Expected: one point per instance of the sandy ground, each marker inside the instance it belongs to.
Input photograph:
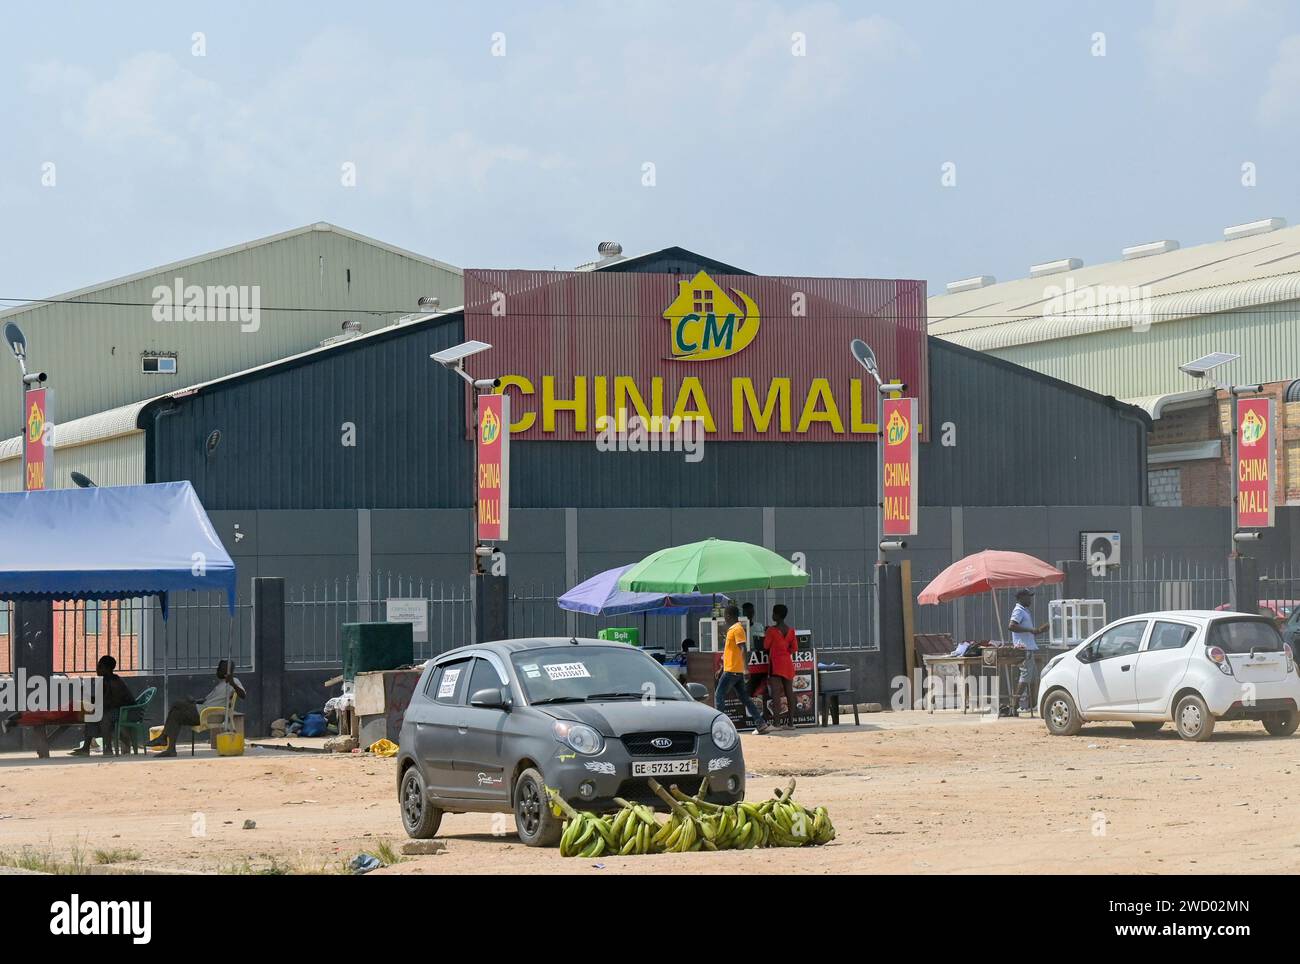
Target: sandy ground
(908, 792)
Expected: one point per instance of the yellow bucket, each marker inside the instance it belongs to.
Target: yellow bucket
(230, 744)
(154, 733)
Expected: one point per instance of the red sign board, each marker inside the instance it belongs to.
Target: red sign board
(1255, 463)
(493, 468)
(34, 448)
(901, 485)
(749, 358)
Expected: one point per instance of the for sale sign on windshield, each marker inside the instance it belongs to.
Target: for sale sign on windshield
(1255, 463)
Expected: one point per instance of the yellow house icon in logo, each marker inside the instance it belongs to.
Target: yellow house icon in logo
(707, 323)
(1252, 428)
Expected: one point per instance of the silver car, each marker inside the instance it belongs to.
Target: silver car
(490, 727)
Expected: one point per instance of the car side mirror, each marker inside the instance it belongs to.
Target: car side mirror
(699, 692)
(490, 698)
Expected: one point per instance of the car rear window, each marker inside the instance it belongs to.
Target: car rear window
(1244, 635)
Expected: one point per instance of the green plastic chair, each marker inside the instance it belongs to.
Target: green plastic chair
(130, 722)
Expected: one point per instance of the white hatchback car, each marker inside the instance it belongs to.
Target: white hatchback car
(1193, 667)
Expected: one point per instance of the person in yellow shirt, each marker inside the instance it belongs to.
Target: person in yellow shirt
(733, 671)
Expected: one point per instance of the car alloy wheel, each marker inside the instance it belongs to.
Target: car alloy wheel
(412, 802)
(530, 807)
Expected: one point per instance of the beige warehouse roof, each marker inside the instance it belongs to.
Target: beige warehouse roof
(1221, 276)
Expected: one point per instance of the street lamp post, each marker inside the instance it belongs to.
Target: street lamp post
(1200, 368)
(453, 359)
(17, 343)
(867, 359)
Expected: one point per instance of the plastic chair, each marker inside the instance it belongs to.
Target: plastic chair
(130, 729)
(213, 718)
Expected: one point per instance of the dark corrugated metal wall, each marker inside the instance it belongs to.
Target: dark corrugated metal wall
(282, 431)
(1021, 439)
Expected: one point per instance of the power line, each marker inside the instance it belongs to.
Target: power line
(1101, 310)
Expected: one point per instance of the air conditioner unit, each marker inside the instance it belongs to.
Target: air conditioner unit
(1103, 547)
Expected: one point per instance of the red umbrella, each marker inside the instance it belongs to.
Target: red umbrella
(986, 571)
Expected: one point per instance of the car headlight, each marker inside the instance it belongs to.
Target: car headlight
(724, 733)
(579, 737)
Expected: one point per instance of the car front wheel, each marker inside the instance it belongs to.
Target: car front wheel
(1061, 715)
(1193, 719)
(419, 817)
(535, 821)
(1281, 723)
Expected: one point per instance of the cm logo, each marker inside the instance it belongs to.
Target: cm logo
(707, 323)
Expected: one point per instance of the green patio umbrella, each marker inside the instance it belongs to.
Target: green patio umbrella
(714, 565)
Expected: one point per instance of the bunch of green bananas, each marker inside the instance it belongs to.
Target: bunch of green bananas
(693, 824)
(587, 835)
(636, 829)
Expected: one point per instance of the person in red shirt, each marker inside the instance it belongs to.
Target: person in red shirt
(781, 645)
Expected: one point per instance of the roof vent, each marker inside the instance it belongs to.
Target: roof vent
(1235, 231)
(970, 284)
(352, 327)
(609, 249)
(1054, 267)
(1148, 248)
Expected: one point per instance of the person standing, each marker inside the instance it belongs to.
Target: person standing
(756, 682)
(733, 671)
(1023, 632)
(782, 645)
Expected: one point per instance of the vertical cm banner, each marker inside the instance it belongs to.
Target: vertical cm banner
(1255, 463)
(36, 464)
(899, 436)
(493, 468)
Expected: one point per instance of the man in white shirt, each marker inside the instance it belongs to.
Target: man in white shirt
(186, 712)
(1023, 632)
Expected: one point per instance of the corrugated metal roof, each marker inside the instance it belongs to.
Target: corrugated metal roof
(223, 252)
(84, 431)
(1221, 276)
(1157, 405)
(306, 282)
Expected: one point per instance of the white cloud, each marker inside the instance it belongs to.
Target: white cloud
(1186, 35)
(1278, 106)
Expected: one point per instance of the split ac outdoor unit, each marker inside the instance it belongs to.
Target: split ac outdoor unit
(1103, 547)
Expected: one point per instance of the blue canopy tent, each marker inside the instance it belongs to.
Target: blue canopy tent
(110, 543)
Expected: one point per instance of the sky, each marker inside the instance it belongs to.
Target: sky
(915, 140)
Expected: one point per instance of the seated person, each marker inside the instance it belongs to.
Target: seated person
(116, 695)
(186, 712)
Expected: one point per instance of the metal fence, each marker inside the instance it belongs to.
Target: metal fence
(198, 632)
(837, 607)
(315, 614)
(1127, 589)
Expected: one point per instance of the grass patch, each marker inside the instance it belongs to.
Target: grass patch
(47, 861)
(387, 855)
(116, 855)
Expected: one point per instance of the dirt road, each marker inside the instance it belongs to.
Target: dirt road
(909, 793)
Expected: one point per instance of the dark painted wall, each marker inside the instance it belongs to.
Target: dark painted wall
(1019, 439)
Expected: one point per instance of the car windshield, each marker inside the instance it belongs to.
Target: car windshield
(1244, 635)
(564, 674)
